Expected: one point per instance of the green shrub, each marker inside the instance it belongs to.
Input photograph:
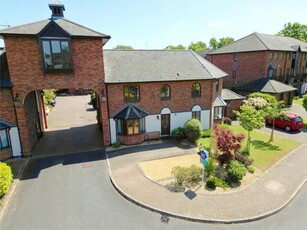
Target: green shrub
(211, 182)
(245, 150)
(6, 178)
(211, 166)
(251, 169)
(236, 170)
(178, 133)
(193, 129)
(206, 133)
(224, 126)
(116, 144)
(181, 174)
(190, 174)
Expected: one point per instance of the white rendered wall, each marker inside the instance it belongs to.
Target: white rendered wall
(178, 119)
(112, 130)
(205, 119)
(152, 123)
(15, 142)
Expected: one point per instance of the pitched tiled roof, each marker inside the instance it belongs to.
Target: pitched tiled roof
(35, 28)
(258, 42)
(157, 65)
(230, 95)
(5, 81)
(266, 85)
(130, 112)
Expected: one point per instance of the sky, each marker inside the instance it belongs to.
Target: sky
(155, 24)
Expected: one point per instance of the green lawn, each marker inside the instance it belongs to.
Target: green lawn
(298, 101)
(264, 154)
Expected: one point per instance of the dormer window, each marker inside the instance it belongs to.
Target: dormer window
(56, 55)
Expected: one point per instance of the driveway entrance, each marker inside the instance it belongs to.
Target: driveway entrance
(72, 127)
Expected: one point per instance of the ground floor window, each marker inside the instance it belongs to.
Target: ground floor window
(4, 139)
(129, 127)
(196, 115)
(218, 113)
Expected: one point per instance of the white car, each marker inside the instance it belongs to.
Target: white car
(47, 110)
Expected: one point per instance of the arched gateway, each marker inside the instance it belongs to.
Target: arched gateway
(53, 54)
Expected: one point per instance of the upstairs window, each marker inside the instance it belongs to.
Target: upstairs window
(56, 55)
(131, 93)
(165, 92)
(196, 90)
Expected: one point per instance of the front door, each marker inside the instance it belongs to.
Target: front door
(165, 124)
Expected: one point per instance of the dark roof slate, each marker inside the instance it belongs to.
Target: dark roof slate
(259, 42)
(72, 28)
(130, 112)
(157, 65)
(266, 85)
(230, 95)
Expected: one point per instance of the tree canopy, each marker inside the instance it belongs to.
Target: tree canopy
(216, 44)
(198, 46)
(123, 47)
(295, 30)
(177, 47)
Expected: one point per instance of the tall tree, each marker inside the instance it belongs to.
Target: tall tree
(295, 30)
(250, 119)
(198, 46)
(123, 47)
(178, 47)
(214, 44)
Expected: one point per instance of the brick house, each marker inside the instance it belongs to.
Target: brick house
(141, 94)
(54, 53)
(259, 56)
(156, 91)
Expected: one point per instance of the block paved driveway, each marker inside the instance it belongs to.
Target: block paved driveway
(73, 191)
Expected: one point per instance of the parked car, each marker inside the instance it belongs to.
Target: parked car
(288, 121)
(47, 110)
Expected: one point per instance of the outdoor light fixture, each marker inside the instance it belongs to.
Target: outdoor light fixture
(158, 117)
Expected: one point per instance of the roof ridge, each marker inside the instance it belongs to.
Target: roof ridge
(194, 54)
(84, 27)
(257, 35)
(272, 85)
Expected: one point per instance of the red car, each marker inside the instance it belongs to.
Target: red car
(289, 122)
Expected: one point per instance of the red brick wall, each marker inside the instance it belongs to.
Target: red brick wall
(131, 139)
(181, 99)
(5, 154)
(26, 71)
(232, 105)
(7, 112)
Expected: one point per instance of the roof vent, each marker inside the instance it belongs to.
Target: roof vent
(57, 9)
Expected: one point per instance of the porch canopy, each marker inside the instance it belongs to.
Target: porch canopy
(130, 112)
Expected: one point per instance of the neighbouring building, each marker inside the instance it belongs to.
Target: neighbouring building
(141, 94)
(268, 57)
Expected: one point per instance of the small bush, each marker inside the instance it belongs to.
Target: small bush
(175, 187)
(206, 133)
(6, 178)
(211, 167)
(193, 129)
(116, 144)
(251, 169)
(178, 133)
(244, 159)
(190, 174)
(214, 182)
(181, 174)
(211, 182)
(227, 121)
(236, 170)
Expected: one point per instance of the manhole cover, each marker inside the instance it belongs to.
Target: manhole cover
(190, 194)
(88, 165)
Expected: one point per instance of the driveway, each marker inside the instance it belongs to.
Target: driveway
(72, 127)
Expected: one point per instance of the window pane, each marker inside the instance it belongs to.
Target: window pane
(56, 54)
(65, 54)
(4, 139)
(131, 92)
(165, 91)
(129, 127)
(136, 127)
(196, 90)
(47, 54)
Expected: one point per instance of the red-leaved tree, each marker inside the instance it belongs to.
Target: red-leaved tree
(227, 143)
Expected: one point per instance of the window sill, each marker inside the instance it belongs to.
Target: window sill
(131, 100)
(165, 98)
(58, 70)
